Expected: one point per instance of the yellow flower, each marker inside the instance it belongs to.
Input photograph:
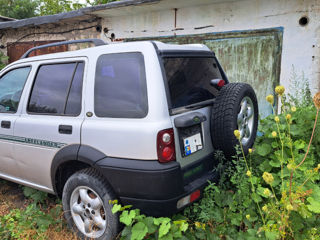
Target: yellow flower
(293, 109)
(274, 134)
(280, 90)
(289, 207)
(290, 166)
(267, 177)
(316, 100)
(265, 208)
(248, 173)
(248, 216)
(203, 226)
(250, 150)
(267, 192)
(197, 224)
(277, 119)
(288, 117)
(270, 99)
(318, 166)
(237, 133)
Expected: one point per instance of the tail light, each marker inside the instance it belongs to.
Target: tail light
(217, 83)
(165, 146)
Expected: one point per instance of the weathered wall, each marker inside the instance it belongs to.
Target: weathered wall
(64, 30)
(300, 45)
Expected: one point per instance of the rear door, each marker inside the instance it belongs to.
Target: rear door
(12, 83)
(190, 99)
(51, 118)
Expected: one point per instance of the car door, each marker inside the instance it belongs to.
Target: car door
(12, 82)
(50, 120)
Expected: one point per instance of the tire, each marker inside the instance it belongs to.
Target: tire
(229, 106)
(90, 217)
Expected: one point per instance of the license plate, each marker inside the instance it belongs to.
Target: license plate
(192, 144)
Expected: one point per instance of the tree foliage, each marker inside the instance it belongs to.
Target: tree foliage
(19, 9)
(3, 60)
(49, 7)
(98, 2)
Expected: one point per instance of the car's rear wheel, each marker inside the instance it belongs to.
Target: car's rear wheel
(235, 107)
(86, 206)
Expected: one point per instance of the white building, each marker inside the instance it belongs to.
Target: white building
(264, 43)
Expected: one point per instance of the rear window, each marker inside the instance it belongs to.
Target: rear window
(120, 87)
(189, 79)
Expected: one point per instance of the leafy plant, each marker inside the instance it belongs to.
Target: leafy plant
(299, 90)
(35, 195)
(273, 193)
(29, 223)
(3, 59)
(139, 226)
(290, 171)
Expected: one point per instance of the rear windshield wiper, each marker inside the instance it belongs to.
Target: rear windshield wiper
(200, 104)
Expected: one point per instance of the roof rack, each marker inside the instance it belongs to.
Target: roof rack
(95, 41)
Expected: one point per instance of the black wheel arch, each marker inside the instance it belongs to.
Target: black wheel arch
(69, 160)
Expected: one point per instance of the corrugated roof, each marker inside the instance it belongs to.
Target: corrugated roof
(69, 15)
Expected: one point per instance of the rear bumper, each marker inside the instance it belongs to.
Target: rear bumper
(155, 188)
(168, 207)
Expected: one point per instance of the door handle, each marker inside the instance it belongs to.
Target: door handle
(65, 129)
(5, 124)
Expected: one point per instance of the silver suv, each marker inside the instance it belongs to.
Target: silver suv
(138, 122)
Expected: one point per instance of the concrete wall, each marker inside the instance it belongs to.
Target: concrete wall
(67, 30)
(301, 44)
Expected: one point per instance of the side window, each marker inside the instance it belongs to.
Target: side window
(120, 86)
(73, 106)
(57, 89)
(11, 86)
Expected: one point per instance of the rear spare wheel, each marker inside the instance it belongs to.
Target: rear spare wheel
(235, 107)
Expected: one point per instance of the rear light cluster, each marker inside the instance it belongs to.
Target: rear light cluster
(221, 83)
(217, 83)
(165, 146)
(188, 199)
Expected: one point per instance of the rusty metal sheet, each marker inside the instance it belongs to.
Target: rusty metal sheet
(16, 50)
(253, 57)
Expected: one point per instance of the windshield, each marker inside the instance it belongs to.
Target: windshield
(189, 79)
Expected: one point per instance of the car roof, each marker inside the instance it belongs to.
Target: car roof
(139, 44)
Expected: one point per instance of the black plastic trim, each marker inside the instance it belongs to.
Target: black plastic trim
(89, 155)
(67, 153)
(153, 187)
(189, 119)
(167, 207)
(143, 179)
(185, 53)
(74, 152)
(141, 165)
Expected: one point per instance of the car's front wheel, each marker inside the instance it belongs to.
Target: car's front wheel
(85, 200)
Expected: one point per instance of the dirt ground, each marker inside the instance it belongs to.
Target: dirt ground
(12, 197)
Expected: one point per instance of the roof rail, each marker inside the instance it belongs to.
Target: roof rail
(95, 41)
